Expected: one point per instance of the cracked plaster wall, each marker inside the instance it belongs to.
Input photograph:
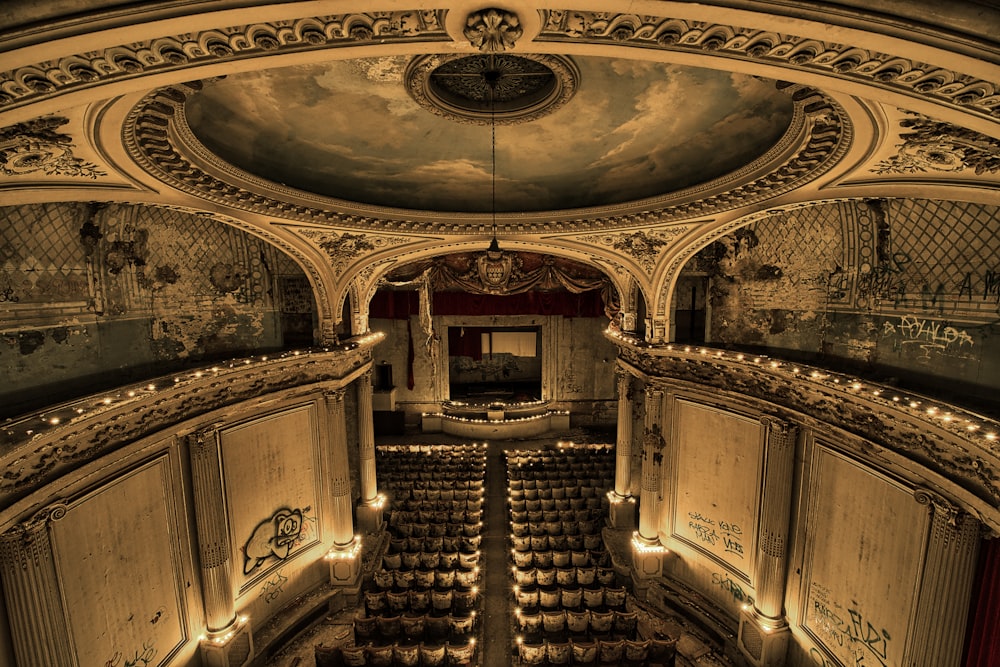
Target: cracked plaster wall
(906, 289)
(98, 295)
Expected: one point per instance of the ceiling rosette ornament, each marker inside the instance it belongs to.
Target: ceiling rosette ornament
(493, 30)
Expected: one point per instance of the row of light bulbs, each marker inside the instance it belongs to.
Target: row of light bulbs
(960, 421)
(34, 425)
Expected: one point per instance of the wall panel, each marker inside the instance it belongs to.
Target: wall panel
(716, 489)
(865, 536)
(270, 471)
(116, 554)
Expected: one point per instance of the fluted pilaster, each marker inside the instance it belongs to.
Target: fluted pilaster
(31, 591)
(623, 442)
(946, 585)
(366, 438)
(652, 461)
(213, 530)
(775, 508)
(342, 521)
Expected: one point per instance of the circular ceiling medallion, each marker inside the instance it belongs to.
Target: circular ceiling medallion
(504, 88)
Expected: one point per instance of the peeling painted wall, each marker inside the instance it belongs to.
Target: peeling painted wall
(99, 294)
(906, 288)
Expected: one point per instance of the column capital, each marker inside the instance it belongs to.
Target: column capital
(938, 505)
(20, 543)
(334, 395)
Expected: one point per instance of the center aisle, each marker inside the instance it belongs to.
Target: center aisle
(496, 612)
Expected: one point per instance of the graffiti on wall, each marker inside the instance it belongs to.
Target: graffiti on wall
(727, 533)
(928, 335)
(846, 632)
(139, 658)
(275, 537)
(273, 587)
(723, 581)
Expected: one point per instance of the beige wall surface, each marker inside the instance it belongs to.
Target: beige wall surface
(119, 570)
(716, 488)
(271, 473)
(865, 536)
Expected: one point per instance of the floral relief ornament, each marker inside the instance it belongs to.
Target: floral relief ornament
(493, 30)
(936, 146)
(35, 146)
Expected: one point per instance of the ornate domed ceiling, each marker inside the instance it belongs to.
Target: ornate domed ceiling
(597, 132)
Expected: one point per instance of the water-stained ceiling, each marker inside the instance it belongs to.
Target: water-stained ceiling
(351, 130)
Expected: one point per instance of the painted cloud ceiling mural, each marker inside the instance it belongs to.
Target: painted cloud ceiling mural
(349, 129)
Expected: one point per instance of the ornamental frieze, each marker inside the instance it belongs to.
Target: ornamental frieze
(932, 145)
(173, 52)
(914, 78)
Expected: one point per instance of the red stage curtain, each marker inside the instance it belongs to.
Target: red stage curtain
(983, 640)
(400, 304)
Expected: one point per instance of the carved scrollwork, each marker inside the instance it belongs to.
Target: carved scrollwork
(35, 146)
(835, 59)
(170, 52)
(932, 145)
(938, 504)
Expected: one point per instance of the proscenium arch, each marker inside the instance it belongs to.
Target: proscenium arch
(477, 244)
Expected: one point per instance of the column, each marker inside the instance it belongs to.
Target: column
(763, 632)
(652, 461)
(226, 636)
(343, 556)
(370, 505)
(622, 503)
(946, 585)
(647, 552)
(31, 590)
(342, 523)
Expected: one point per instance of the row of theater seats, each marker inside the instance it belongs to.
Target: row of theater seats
(420, 607)
(439, 601)
(601, 598)
(585, 574)
(415, 627)
(559, 624)
(397, 654)
(631, 653)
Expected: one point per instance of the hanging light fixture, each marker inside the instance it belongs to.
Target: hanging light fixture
(492, 78)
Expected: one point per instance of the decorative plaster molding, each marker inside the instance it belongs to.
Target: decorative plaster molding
(936, 146)
(961, 449)
(645, 246)
(344, 248)
(493, 30)
(820, 130)
(506, 100)
(938, 504)
(39, 455)
(35, 146)
(31, 83)
(902, 75)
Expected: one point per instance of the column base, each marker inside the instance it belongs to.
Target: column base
(228, 648)
(761, 640)
(345, 564)
(647, 557)
(621, 512)
(368, 516)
